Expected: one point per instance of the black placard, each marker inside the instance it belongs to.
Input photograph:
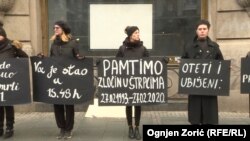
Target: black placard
(204, 77)
(60, 80)
(245, 76)
(132, 81)
(14, 81)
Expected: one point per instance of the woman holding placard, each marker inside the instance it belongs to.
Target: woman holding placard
(8, 49)
(133, 47)
(65, 46)
(202, 109)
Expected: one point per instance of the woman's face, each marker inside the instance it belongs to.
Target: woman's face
(202, 31)
(1, 38)
(58, 30)
(135, 36)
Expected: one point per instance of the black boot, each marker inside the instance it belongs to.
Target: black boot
(9, 129)
(61, 134)
(131, 134)
(68, 134)
(1, 132)
(137, 133)
(8, 133)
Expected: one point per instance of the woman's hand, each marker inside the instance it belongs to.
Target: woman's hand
(40, 55)
(79, 57)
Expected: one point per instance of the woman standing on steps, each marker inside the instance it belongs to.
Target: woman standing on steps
(133, 47)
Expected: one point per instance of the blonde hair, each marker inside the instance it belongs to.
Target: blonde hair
(17, 44)
(64, 37)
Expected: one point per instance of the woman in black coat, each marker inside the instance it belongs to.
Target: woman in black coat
(133, 47)
(202, 109)
(8, 49)
(65, 46)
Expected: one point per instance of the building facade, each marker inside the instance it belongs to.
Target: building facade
(30, 21)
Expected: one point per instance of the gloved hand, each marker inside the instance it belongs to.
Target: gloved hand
(98, 61)
(79, 57)
(165, 59)
(40, 55)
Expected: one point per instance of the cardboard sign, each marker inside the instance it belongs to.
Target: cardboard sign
(132, 81)
(204, 77)
(14, 81)
(59, 80)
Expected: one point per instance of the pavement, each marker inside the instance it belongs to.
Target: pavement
(41, 126)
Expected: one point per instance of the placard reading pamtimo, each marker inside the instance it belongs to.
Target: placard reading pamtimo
(132, 81)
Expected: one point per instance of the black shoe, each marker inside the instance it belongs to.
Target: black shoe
(68, 135)
(1, 132)
(131, 134)
(61, 134)
(137, 133)
(8, 133)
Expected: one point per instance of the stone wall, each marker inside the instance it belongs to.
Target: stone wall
(231, 26)
(22, 23)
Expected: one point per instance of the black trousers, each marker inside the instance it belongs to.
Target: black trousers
(10, 117)
(137, 115)
(64, 115)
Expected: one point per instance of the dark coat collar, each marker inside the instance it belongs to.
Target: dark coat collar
(209, 42)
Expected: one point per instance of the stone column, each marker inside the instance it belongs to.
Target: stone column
(5, 6)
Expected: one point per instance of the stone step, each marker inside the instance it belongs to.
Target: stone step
(119, 111)
(43, 107)
(172, 105)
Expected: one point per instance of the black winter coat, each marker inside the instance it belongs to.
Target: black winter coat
(194, 51)
(65, 49)
(202, 109)
(128, 49)
(7, 50)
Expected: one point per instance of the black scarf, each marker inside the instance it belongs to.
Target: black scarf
(129, 44)
(59, 42)
(203, 44)
(4, 44)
